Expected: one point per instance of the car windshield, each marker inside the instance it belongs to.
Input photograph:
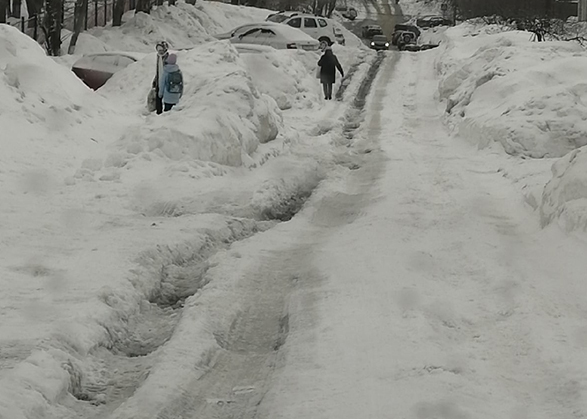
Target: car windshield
(277, 18)
(380, 38)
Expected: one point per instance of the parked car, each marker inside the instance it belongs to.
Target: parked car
(95, 69)
(349, 13)
(368, 31)
(277, 36)
(281, 16)
(432, 21)
(315, 26)
(379, 42)
(406, 41)
(400, 28)
(239, 30)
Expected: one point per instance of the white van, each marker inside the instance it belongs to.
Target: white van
(316, 26)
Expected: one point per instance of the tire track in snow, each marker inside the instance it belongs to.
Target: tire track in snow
(112, 372)
(110, 375)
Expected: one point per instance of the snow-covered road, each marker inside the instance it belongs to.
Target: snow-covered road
(333, 259)
(417, 286)
(433, 293)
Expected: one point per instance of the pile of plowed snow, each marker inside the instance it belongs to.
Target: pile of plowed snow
(222, 117)
(49, 118)
(565, 197)
(182, 26)
(528, 97)
(420, 7)
(286, 76)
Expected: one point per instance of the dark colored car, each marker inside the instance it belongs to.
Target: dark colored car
(432, 21)
(369, 31)
(400, 28)
(406, 41)
(95, 69)
(379, 42)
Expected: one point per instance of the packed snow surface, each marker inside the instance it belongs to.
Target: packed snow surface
(530, 98)
(107, 209)
(125, 235)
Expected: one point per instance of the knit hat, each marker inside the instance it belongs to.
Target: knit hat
(162, 48)
(171, 59)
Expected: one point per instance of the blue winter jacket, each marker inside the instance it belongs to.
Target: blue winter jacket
(171, 98)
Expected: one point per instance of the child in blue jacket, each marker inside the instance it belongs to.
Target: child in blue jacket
(171, 88)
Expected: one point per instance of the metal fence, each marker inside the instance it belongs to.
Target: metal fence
(97, 13)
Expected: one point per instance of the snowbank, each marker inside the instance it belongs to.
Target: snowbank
(414, 8)
(287, 76)
(565, 197)
(221, 118)
(48, 116)
(527, 96)
(182, 26)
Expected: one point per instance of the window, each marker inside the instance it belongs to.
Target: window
(250, 32)
(295, 23)
(322, 23)
(310, 23)
(277, 18)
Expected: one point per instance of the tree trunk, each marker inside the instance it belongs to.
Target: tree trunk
(78, 23)
(15, 10)
(52, 26)
(117, 12)
(331, 5)
(144, 6)
(3, 10)
(34, 7)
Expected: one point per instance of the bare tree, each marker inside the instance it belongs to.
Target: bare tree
(143, 6)
(3, 10)
(15, 10)
(79, 17)
(52, 26)
(117, 12)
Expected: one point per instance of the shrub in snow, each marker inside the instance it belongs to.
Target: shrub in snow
(527, 96)
(565, 196)
(221, 117)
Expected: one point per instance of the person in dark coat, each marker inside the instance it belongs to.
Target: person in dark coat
(328, 64)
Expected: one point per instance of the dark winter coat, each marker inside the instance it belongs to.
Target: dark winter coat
(328, 64)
